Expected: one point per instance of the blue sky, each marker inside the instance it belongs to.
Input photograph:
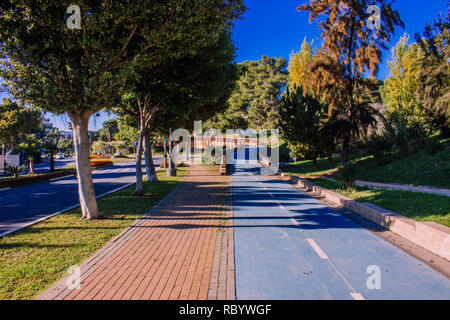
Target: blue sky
(275, 28)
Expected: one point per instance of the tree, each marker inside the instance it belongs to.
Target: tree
(128, 132)
(99, 148)
(261, 88)
(178, 91)
(256, 96)
(66, 146)
(398, 91)
(433, 88)
(15, 122)
(50, 145)
(300, 121)
(31, 145)
(109, 130)
(300, 65)
(350, 48)
(81, 71)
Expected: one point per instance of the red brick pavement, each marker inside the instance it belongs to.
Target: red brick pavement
(183, 249)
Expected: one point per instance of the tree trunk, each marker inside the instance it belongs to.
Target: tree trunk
(149, 165)
(88, 202)
(52, 162)
(345, 150)
(139, 192)
(165, 153)
(316, 154)
(31, 166)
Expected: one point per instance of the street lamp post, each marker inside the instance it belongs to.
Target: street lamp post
(4, 160)
(172, 171)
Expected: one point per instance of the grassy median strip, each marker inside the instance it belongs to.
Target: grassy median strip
(418, 206)
(33, 259)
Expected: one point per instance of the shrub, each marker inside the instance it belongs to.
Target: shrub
(434, 147)
(100, 163)
(15, 171)
(347, 174)
(403, 137)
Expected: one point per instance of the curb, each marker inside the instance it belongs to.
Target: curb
(428, 235)
(69, 208)
(60, 212)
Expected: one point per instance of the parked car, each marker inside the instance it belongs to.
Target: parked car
(60, 156)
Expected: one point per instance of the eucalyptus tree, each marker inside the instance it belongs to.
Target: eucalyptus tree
(75, 60)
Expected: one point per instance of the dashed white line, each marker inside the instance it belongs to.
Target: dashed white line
(317, 249)
(314, 245)
(60, 178)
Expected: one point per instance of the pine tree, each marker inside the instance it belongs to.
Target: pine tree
(351, 47)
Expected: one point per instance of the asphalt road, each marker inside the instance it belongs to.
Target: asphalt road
(22, 205)
(291, 246)
(44, 166)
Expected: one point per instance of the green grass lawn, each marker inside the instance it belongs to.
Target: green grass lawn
(418, 169)
(34, 258)
(418, 206)
(307, 168)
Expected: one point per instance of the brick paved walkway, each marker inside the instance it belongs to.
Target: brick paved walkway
(183, 249)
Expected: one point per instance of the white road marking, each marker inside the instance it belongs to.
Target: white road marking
(60, 178)
(5, 189)
(354, 294)
(357, 296)
(317, 249)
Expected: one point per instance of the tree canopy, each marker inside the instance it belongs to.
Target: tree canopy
(81, 71)
(351, 47)
(398, 91)
(301, 117)
(16, 121)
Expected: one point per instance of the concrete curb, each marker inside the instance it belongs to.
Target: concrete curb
(60, 212)
(429, 235)
(65, 210)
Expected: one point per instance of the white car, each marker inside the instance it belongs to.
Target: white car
(60, 156)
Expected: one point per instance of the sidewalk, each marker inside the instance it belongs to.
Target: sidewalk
(183, 249)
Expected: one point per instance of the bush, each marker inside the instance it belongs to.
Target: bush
(405, 138)
(434, 147)
(15, 171)
(347, 174)
(100, 163)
